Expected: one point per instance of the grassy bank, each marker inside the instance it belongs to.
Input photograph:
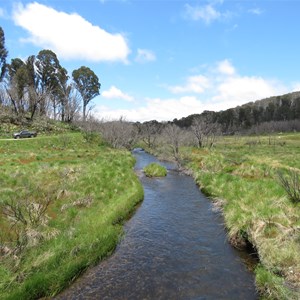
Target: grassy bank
(241, 175)
(63, 201)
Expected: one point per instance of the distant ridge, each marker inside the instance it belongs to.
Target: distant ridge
(277, 113)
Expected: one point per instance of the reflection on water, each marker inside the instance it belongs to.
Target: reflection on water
(174, 247)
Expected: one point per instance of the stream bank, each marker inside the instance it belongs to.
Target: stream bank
(174, 247)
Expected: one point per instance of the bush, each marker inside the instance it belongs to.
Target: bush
(155, 170)
(290, 181)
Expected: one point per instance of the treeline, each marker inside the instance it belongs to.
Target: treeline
(40, 86)
(275, 114)
(279, 113)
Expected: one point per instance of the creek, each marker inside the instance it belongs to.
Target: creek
(174, 247)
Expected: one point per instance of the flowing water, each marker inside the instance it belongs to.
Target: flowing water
(174, 247)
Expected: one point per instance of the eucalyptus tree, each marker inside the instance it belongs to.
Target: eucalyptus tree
(24, 87)
(72, 105)
(63, 91)
(48, 71)
(15, 85)
(88, 85)
(3, 54)
(67, 97)
(60, 92)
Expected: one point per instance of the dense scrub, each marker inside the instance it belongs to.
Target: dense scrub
(62, 204)
(241, 175)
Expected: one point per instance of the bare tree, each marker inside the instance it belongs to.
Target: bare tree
(119, 134)
(173, 135)
(149, 132)
(204, 131)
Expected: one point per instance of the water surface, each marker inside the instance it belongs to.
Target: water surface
(174, 247)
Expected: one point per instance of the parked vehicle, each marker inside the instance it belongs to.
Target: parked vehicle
(25, 134)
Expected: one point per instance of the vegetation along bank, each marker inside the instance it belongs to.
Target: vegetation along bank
(255, 182)
(63, 201)
(252, 180)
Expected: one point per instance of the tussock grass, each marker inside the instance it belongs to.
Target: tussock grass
(155, 170)
(243, 178)
(91, 190)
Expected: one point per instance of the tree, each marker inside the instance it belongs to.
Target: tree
(204, 130)
(88, 85)
(3, 54)
(16, 85)
(35, 96)
(49, 72)
(173, 135)
(119, 134)
(149, 132)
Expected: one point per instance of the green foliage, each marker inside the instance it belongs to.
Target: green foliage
(155, 170)
(92, 190)
(43, 126)
(88, 85)
(40, 86)
(243, 181)
(3, 54)
(272, 286)
(275, 114)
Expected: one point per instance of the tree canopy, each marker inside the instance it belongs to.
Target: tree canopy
(40, 86)
(3, 54)
(88, 85)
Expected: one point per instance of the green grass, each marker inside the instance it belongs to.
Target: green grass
(41, 125)
(155, 170)
(92, 189)
(242, 178)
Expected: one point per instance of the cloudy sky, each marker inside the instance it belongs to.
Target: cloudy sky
(165, 59)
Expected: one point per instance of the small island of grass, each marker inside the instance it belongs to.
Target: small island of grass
(155, 170)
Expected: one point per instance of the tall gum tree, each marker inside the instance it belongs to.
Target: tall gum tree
(3, 54)
(47, 69)
(88, 85)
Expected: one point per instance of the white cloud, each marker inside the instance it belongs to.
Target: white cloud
(206, 13)
(194, 84)
(158, 109)
(225, 67)
(255, 11)
(69, 35)
(296, 87)
(144, 55)
(115, 93)
(239, 90)
(219, 89)
(1, 12)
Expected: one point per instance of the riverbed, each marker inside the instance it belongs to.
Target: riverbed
(174, 247)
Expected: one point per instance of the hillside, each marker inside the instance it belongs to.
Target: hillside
(278, 113)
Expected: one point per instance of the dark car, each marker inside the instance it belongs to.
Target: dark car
(25, 134)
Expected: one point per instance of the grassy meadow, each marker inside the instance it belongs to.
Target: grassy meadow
(241, 175)
(63, 200)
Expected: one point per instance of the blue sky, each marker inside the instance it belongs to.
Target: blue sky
(164, 59)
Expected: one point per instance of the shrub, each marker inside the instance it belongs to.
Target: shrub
(290, 181)
(155, 170)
